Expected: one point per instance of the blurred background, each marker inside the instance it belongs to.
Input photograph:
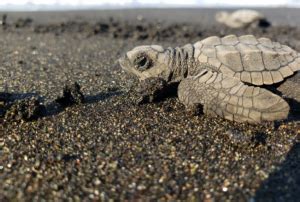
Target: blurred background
(112, 4)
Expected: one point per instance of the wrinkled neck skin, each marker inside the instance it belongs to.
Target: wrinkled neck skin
(181, 63)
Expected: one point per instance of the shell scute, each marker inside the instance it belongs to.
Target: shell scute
(230, 40)
(212, 41)
(230, 57)
(257, 78)
(266, 42)
(209, 51)
(270, 58)
(267, 78)
(248, 39)
(251, 57)
(256, 61)
(277, 77)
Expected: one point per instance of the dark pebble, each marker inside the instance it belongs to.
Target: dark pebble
(71, 95)
(28, 109)
(4, 99)
(150, 90)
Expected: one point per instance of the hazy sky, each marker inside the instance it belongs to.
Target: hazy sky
(91, 2)
(153, 2)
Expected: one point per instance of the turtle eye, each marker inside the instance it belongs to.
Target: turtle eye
(142, 63)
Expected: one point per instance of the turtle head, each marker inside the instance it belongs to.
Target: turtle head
(147, 61)
(222, 16)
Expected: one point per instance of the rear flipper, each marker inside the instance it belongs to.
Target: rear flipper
(290, 90)
(231, 99)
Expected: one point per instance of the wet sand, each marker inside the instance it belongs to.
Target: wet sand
(108, 147)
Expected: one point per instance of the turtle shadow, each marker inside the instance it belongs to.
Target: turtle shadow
(12, 97)
(284, 183)
(53, 107)
(294, 114)
(90, 99)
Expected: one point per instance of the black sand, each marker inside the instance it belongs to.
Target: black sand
(108, 147)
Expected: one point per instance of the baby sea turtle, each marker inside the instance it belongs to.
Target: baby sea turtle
(230, 77)
(241, 18)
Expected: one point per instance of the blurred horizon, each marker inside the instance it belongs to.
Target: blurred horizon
(36, 5)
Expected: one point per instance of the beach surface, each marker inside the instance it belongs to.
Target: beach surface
(109, 148)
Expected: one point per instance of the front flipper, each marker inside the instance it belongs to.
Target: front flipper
(228, 97)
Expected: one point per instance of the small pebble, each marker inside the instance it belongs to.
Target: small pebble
(71, 95)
